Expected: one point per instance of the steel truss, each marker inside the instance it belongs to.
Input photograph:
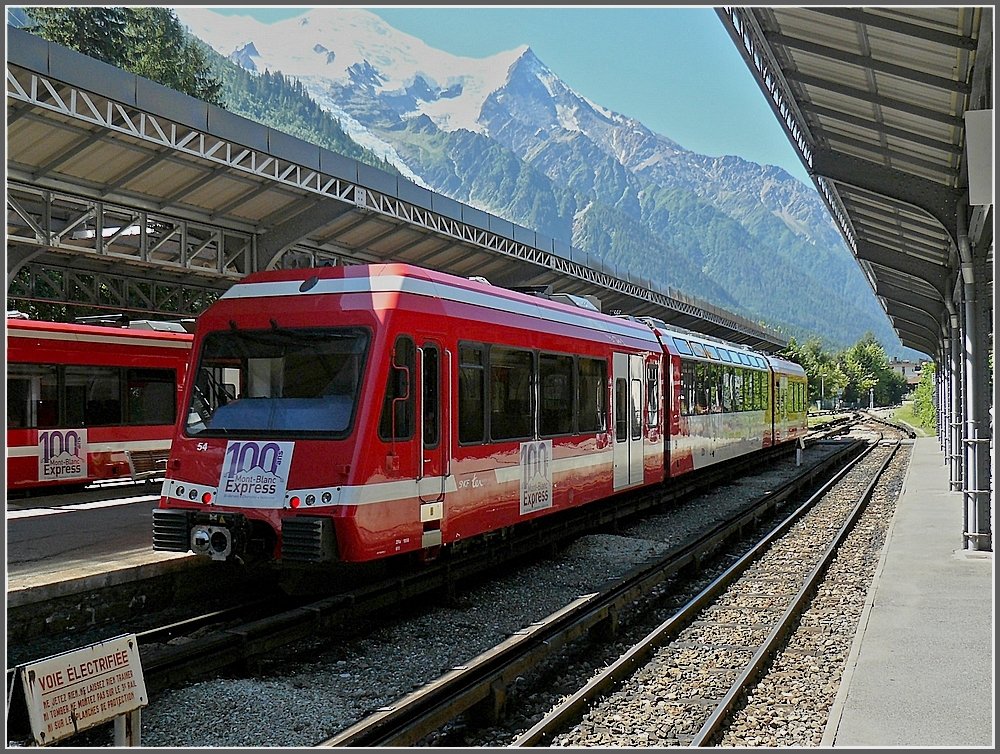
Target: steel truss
(104, 290)
(52, 220)
(162, 242)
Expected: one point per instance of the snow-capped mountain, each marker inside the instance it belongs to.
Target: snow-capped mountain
(507, 135)
(351, 50)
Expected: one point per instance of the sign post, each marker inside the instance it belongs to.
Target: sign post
(76, 690)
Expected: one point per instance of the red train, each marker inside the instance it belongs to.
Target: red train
(354, 413)
(86, 402)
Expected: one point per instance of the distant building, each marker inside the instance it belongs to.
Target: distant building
(910, 370)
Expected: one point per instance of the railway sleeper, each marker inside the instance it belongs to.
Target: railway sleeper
(492, 709)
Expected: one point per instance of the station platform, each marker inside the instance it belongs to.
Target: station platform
(921, 670)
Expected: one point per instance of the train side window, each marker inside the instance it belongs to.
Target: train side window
(689, 388)
(636, 409)
(555, 374)
(621, 410)
(471, 394)
(396, 422)
(93, 396)
(431, 395)
(512, 404)
(652, 395)
(151, 396)
(726, 373)
(701, 392)
(32, 396)
(591, 384)
(20, 406)
(718, 378)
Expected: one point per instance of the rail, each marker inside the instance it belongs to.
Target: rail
(484, 679)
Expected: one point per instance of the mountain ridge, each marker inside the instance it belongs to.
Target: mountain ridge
(527, 147)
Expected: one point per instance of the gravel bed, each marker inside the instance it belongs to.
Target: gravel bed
(666, 702)
(790, 705)
(340, 678)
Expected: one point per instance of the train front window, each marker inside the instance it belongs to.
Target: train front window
(278, 382)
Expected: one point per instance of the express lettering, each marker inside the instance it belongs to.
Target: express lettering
(540, 498)
(242, 488)
(62, 468)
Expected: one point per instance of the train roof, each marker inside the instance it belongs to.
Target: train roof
(418, 281)
(691, 345)
(785, 366)
(71, 330)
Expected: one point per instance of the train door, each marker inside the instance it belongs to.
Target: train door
(432, 470)
(780, 408)
(434, 459)
(628, 444)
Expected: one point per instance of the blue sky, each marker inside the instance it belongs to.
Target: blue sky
(675, 69)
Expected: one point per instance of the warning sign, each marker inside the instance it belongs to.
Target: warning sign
(76, 690)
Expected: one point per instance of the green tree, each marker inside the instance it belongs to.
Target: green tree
(924, 408)
(159, 49)
(827, 379)
(147, 41)
(94, 31)
(869, 374)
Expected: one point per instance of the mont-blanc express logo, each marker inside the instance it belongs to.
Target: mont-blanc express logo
(536, 476)
(255, 473)
(62, 454)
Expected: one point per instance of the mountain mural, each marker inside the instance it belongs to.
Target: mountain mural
(505, 134)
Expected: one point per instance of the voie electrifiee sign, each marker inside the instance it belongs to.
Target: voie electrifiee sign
(76, 690)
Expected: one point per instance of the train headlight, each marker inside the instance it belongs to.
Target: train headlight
(214, 541)
(201, 541)
(310, 499)
(327, 497)
(193, 495)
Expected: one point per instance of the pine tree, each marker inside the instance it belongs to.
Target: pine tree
(94, 31)
(147, 41)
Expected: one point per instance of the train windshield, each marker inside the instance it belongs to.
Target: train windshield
(275, 383)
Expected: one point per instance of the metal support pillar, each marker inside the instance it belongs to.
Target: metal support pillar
(954, 415)
(942, 400)
(976, 489)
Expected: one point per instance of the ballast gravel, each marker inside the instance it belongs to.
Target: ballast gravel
(340, 679)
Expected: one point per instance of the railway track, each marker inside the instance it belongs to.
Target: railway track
(733, 627)
(221, 640)
(237, 646)
(480, 685)
(478, 688)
